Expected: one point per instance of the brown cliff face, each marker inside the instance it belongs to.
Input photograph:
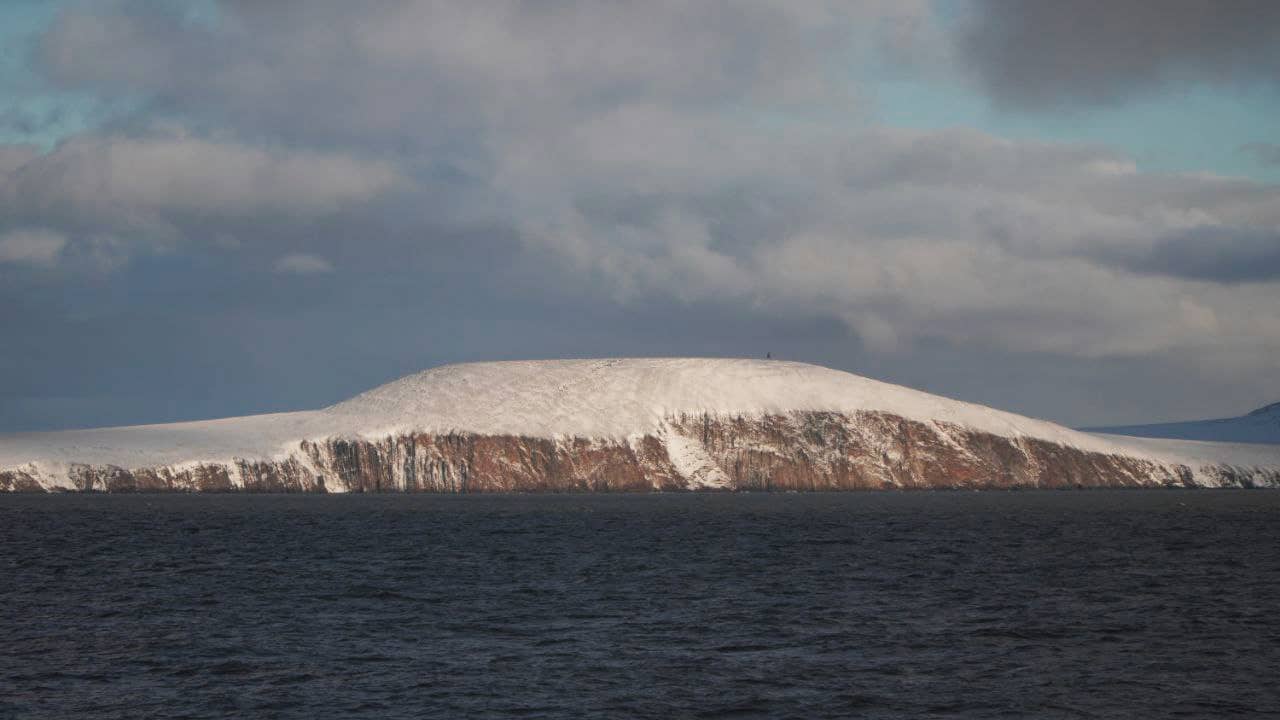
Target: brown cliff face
(461, 463)
(805, 451)
(827, 451)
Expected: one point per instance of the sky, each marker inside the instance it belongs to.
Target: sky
(227, 207)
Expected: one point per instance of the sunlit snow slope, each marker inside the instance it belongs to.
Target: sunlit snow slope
(622, 397)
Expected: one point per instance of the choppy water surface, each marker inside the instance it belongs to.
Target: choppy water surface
(1066, 604)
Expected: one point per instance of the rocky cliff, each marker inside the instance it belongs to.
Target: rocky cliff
(621, 425)
(801, 451)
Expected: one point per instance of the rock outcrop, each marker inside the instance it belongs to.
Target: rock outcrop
(799, 451)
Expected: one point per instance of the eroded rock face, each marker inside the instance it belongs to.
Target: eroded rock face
(807, 451)
(19, 481)
(827, 451)
(482, 463)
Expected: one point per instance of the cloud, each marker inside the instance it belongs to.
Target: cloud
(906, 236)
(1040, 55)
(1209, 253)
(425, 74)
(302, 264)
(180, 173)
(13, 157)
(657, 153)
(31, 246)
(607, 160)
(1265, 153)
(164, 188)
(25, 121)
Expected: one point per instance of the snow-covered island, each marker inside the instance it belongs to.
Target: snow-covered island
(622, 425)
(1259, 426)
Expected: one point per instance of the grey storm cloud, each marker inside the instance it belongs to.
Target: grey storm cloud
(624, 142)
(1050, 54)
(357, 181)
(1215, 254)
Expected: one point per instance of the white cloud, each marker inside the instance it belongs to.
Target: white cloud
(302, 264)
(169, 172)
(905, 235)
(428, 72)
(165, 189)
(31, 246)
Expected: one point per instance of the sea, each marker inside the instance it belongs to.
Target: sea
(1067, 604)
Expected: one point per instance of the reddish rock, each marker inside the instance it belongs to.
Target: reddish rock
(804, 451)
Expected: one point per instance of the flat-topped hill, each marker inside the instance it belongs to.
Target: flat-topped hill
(657, 423)
(626, 396)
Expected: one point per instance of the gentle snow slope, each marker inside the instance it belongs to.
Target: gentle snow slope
(557, 398)
(1260, 426)
(619, 398)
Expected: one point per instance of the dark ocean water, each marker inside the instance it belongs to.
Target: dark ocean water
(1035, 604)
